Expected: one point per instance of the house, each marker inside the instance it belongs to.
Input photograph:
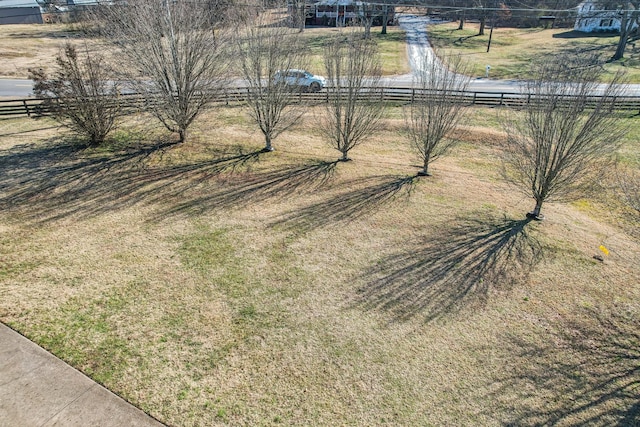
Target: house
(597, 17)
(341, 12)
(20, 12)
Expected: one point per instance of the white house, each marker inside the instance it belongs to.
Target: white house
(597, 16)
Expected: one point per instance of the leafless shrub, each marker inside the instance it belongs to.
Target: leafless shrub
(80, 94)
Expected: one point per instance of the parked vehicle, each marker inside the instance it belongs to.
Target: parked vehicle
(300, 80)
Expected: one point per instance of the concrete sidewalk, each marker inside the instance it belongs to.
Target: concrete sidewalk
(38, 389)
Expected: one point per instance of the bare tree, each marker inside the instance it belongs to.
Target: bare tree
(561, 144)
(437, 107)
(366, 18)
(175, 52)
(264, 51)
(298, 9)
(353, 110)
(80, 94)
(627, 12)
(629, 21)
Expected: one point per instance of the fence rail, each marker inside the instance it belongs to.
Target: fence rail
(33, 107)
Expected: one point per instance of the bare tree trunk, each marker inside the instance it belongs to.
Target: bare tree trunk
(385, 18)
(298, 8)
(425, 167)
(367, 19)
(627, 25)
(268, 146)
(483, 21)
(461, 24)
(535, 213)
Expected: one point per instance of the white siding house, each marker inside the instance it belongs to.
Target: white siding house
(594, 17)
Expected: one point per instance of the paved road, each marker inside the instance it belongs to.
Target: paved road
(16, 88)
(419, 52)
(418, 49)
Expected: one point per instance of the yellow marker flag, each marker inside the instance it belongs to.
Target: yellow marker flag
(604, 250)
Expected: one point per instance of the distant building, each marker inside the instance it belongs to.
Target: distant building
(20, 12)
(597, 17)
(342, 12)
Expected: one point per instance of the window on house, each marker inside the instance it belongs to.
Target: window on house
(606, 22)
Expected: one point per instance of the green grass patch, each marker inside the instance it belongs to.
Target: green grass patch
(391, 47)
(513, 49)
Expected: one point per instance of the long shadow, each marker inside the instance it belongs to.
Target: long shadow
(253, 188)
(580, 35)
(346, 206)
(28, 131)
(56, 181)
(586, 373)
(454, 269)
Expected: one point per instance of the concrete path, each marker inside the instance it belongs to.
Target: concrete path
(38, 389)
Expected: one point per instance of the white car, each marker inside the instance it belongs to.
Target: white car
(300, 79)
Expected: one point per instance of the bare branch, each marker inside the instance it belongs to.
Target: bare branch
(264, 50)
(436, 110)
(80, 94)
(353, 111)
(175, 52)
(561, 144)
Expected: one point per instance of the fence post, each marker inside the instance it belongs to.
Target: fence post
(501, 98)
(26, 107)
(474, 98)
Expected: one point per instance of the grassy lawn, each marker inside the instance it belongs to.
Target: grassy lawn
(36, 46)
(512, 49)
(210, 284)
(391, 46)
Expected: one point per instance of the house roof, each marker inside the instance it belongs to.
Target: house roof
(84, 2)
(18, 3)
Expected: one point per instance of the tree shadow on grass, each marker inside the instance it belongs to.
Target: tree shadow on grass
(45, 183)
(350, 205)
(586, 373)
(573, 34)
(254, 188)
(452, 270)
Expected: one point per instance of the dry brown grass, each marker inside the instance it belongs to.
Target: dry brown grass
(36, 46)
(209, 284)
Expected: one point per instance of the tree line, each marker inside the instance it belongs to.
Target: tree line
(180, 53)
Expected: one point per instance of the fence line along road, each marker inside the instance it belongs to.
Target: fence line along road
(33, 107)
